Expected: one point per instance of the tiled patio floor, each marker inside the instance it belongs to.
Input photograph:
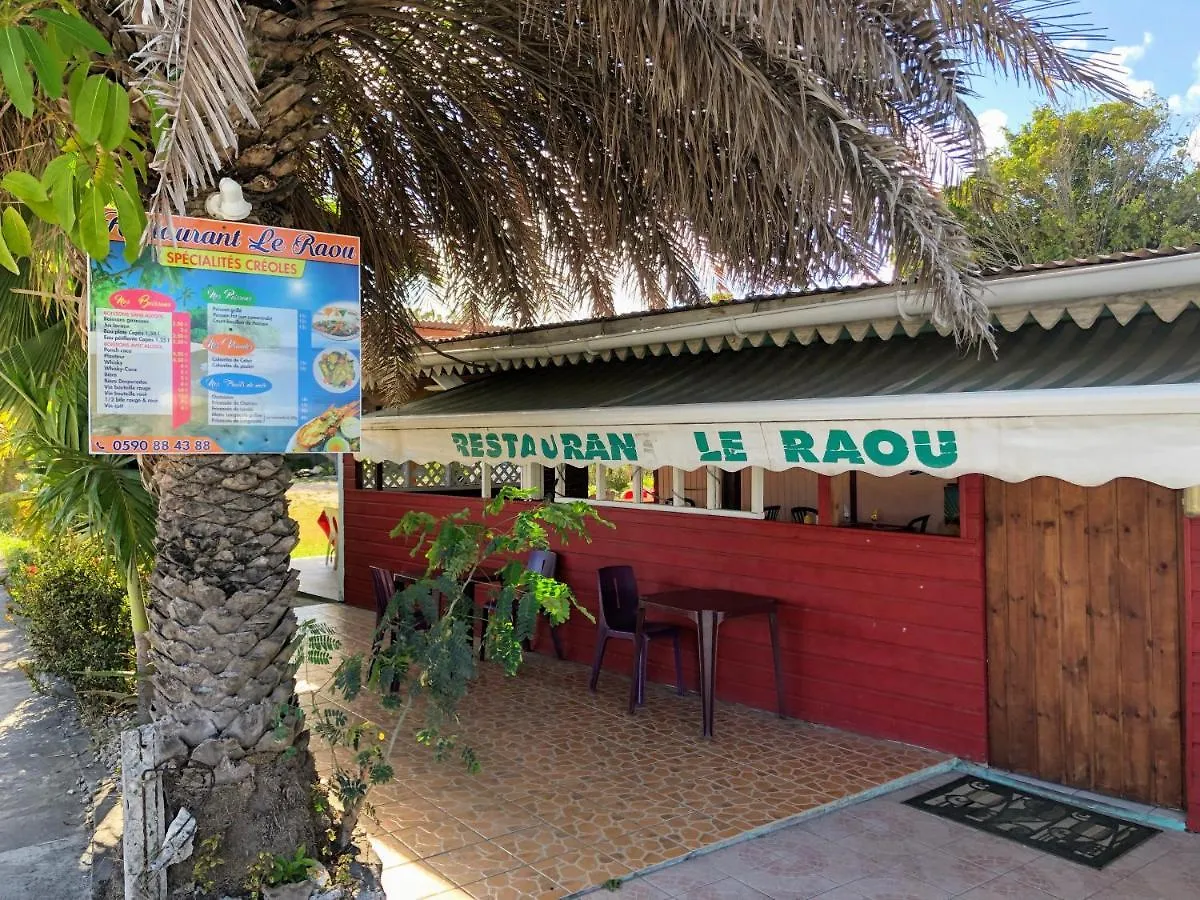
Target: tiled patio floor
(574, 791)
(882, 850)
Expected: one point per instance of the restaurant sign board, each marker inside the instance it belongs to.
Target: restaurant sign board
(1083, 449)
(226, 337)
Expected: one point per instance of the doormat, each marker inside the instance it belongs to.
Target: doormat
(1071, 832)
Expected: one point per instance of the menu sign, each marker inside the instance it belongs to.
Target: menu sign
(225, 337)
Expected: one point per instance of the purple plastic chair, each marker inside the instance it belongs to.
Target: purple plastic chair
(618, 619)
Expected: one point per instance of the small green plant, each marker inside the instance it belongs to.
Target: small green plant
(272, 871)
(430, 655)
(290, 869)
(205, 861)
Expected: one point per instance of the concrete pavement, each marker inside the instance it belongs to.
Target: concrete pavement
(44, 832)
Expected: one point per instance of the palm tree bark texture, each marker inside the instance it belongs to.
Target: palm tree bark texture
(221, 628)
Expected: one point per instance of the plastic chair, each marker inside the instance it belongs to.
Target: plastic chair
(799, 512)
(540, 562)
(771, 513)
(618, 619)
(919, 524)
(328, 523)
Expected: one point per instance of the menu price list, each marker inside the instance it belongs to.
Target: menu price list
(134, 362)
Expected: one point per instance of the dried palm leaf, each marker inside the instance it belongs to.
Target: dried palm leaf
(193, 65)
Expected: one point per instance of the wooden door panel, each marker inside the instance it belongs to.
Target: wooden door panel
(1083, 603)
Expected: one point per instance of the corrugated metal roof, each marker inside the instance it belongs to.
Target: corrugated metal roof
(831, 293)
(1145, 351)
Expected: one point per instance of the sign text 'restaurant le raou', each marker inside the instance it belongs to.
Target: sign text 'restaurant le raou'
(836, 446)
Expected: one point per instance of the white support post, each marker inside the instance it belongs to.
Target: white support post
(485, 480)
(531, 479)
(713, 480)
(677, 485)
(560, 481)
(757, 484)
(406, 471)
(602, 482)
(637, 484)
(144, 813)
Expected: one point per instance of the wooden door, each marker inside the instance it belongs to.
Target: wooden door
(1084, 649)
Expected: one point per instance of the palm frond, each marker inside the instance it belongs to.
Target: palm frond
(193, 64)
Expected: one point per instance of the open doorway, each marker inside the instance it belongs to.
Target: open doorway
(314, 502)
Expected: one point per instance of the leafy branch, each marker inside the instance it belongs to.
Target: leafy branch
(423, 653)
(47, 56)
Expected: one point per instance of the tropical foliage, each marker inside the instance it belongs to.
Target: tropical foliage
(423, 659)
(65, 490)
(72, 598)
(69, 147)
(1075, 184)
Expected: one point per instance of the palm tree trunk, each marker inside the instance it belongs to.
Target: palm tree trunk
(221, 625)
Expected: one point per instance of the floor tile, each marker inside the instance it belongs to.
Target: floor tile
(535, 844)
(518, 884)
(995, 854)
(892, 887)
(583, 868)
(726, 889)
(949, 873)
(638, 889)
(414, 881)
(690, 875)
(1063, 879)
(473, 862)
(1009, 887)
(440, 837)
(550, 796)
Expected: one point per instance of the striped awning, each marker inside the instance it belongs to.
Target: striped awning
(1083, 405)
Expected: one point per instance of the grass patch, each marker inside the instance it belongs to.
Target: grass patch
(305, 502)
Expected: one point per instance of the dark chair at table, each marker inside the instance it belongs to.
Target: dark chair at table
(799, 512)
(540, 562)
(919, 524)
(384, 584)
(618, 619)
(771, 513)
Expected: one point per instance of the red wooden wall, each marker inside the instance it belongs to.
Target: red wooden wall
(1191, 671)
(882, 634)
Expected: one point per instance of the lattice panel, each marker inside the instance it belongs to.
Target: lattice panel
(393, 477)
(506, 473)
(366, 475)
(429, 475)
(465, 476)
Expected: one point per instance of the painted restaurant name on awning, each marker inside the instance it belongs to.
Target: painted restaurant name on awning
(877, 447)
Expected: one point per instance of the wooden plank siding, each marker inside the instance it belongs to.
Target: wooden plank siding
(1191, 667)
(1083, 594)
(881, 633)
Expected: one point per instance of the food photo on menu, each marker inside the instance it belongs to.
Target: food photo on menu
(227, 337)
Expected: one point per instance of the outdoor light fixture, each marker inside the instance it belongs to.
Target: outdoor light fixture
(229, 203)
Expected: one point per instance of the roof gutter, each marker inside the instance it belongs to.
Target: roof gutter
(781, 314)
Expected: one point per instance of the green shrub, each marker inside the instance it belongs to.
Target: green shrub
(73, 600)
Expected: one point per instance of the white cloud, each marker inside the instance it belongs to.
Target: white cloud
(992, 123)
(1189, 100)
(1118, 62)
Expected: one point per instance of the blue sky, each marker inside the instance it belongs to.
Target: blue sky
(1154, 45)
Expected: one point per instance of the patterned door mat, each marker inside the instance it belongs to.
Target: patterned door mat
(1071, 832)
